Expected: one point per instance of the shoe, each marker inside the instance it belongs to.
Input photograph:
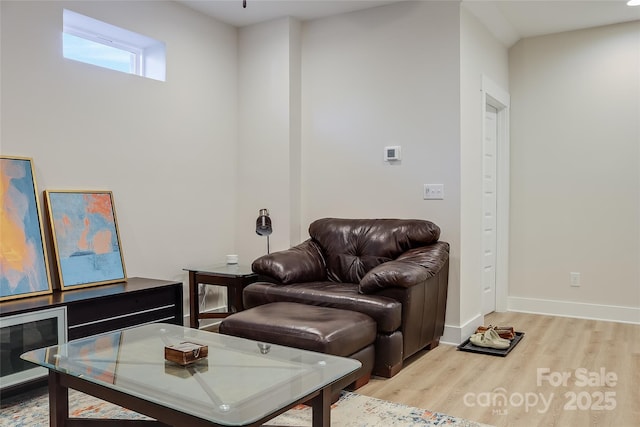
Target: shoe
(506, 332)
(495, 336)
(489, 339)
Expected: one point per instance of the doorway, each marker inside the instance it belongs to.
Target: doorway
(489, 208)
(495, 197)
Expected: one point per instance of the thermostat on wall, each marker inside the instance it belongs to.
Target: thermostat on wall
(392, 153)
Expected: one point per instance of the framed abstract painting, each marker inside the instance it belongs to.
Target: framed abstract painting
(24, 266)
(86, 243)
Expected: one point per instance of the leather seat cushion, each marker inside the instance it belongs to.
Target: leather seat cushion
(322, 329)
(387, 312)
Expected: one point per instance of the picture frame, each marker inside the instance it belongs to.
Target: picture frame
(86, 241)
(24, 265)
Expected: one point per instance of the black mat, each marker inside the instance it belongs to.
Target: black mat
(467, 346)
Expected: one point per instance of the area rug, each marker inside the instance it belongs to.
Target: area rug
(351, 410)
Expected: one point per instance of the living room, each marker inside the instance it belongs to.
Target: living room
(294, 116)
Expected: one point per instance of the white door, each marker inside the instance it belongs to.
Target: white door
(489, 209)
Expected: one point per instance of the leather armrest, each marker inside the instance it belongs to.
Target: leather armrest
(409, 269)
(299, 264)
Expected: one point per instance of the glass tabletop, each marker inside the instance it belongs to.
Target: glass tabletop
(240, 382)
(231, 270)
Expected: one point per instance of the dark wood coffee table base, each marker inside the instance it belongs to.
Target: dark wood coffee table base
(60, 383)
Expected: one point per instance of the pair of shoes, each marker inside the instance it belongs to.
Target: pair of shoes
(506, 332)
(490, 339)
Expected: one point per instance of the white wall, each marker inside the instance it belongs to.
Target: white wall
(384, 76)
(480, 54)
(294, 117)
(575, 172)
(165, 149)
(268, 135)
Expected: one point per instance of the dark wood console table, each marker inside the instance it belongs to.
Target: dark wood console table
(109, 307)
(100, 309)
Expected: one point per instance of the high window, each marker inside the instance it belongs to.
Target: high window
(98, 43)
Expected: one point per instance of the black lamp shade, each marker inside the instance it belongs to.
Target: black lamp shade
(263, 223)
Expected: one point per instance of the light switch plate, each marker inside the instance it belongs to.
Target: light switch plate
(433, 192)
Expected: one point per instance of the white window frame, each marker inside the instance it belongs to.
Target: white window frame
(136, 60)
(142, 47)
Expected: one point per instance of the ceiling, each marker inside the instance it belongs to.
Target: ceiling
(515, 19)
(509, 20)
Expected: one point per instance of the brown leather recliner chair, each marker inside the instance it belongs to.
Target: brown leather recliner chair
(394, 270)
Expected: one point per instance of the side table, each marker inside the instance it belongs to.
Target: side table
(232, 276)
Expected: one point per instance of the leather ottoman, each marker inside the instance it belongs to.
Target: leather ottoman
(321, 329)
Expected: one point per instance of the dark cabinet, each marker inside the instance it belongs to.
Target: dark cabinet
(91, 311)
(119, 310)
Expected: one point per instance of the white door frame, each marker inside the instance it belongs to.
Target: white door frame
(494, 95)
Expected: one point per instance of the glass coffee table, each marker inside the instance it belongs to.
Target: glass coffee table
(240, 383)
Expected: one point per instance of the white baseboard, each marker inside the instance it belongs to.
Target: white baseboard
(455, 335)
(611, 313)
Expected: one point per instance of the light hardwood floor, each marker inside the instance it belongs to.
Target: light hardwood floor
(589, 353)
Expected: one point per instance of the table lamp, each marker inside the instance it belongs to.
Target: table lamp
(263, 225)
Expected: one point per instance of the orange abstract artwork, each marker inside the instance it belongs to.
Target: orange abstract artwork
(23, 266)
(87, 245)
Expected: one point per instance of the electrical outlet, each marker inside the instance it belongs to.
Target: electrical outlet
(574, 279)
(433, 192)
